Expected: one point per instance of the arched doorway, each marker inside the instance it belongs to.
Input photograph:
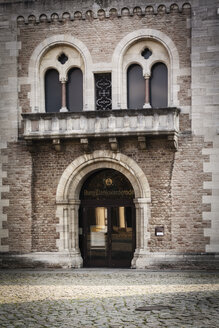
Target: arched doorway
(107, 220)
(68, 203)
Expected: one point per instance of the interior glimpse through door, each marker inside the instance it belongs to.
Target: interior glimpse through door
(121, 235)
(107, 220)
(96, 239)
(107, 236)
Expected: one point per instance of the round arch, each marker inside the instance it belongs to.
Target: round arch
(67, 200)
(119, 96)
(76, 173)
(40, 50)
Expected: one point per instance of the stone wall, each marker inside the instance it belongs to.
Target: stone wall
(19, 211)
(8, 107)
(175, 180)
(100, 36)
(205, 105)
(184, 184)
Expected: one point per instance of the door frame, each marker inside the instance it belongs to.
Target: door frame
(68, 202)
(109, 204)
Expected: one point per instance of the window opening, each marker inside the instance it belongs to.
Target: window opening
(146, 53)
(74, 90)
(135, 87)
(62, 58)
(103, 91)
(158, 85)
(53, 91)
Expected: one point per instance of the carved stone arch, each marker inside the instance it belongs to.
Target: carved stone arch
(38, 53)
(118, 82)
(68, 202)
(132, 62)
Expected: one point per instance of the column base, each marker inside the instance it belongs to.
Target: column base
(140, 259)
(147, 105)
(63, 109)
(76, 259)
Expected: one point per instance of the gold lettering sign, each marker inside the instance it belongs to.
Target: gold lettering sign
(95, 193)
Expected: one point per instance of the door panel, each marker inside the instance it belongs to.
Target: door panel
(107, 236)
(121, 236)
(96, 236)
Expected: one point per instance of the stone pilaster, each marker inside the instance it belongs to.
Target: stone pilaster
(142, 235)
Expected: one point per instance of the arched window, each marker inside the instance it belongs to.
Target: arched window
(53, 91)
(135, 87)
(74, 90)
(158, 85)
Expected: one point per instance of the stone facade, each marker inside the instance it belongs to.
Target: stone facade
(169, 155)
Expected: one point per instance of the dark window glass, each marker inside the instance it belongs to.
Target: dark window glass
(53, 91)
(74, 90)
(103, 92)
(135, 87)
(146, 53)
(63, 59)
(158, 85)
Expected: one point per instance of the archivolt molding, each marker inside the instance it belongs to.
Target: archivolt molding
(118, 77)
(67, 201)
(75, 174)
(34, 66)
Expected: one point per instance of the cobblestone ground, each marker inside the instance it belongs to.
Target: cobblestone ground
(108, 298)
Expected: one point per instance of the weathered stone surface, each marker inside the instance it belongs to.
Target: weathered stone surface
(184, 184)
(108, 298)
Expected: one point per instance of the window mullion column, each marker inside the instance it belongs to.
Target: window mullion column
(63, 82)
(147, 100)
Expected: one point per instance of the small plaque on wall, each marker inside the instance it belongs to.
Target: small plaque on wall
(159, 231)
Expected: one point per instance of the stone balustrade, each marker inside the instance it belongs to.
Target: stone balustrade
(112, 123)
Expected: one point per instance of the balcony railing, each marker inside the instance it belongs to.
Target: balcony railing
(113, 123)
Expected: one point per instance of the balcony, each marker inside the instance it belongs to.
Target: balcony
(112, 124)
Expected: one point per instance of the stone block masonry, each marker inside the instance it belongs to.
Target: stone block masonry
(184, 184)
(18, 199)
(205, 106)
(175, 180)
(8, 111)
(101, 38)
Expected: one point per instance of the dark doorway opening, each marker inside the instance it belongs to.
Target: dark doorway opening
(107, 220)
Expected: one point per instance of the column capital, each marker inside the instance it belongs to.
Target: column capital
(142, 201)
(74, 202)
(147, 76)
(63, 79)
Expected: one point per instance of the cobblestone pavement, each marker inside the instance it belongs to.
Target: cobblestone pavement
(108, 298)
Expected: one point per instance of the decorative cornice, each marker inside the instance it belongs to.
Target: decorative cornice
(111, 13)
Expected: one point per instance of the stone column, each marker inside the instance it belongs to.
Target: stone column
(65, 229)
(63, 108)
(76, 259)
(147, 101)
(142, 206)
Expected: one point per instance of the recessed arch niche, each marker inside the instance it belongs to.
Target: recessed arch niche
(163, 49)
(146, 67)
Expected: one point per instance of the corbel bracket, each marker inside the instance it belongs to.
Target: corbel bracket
(173, 141)
(85, 144)
(56, 144)
(142, 143)
(114, 144)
